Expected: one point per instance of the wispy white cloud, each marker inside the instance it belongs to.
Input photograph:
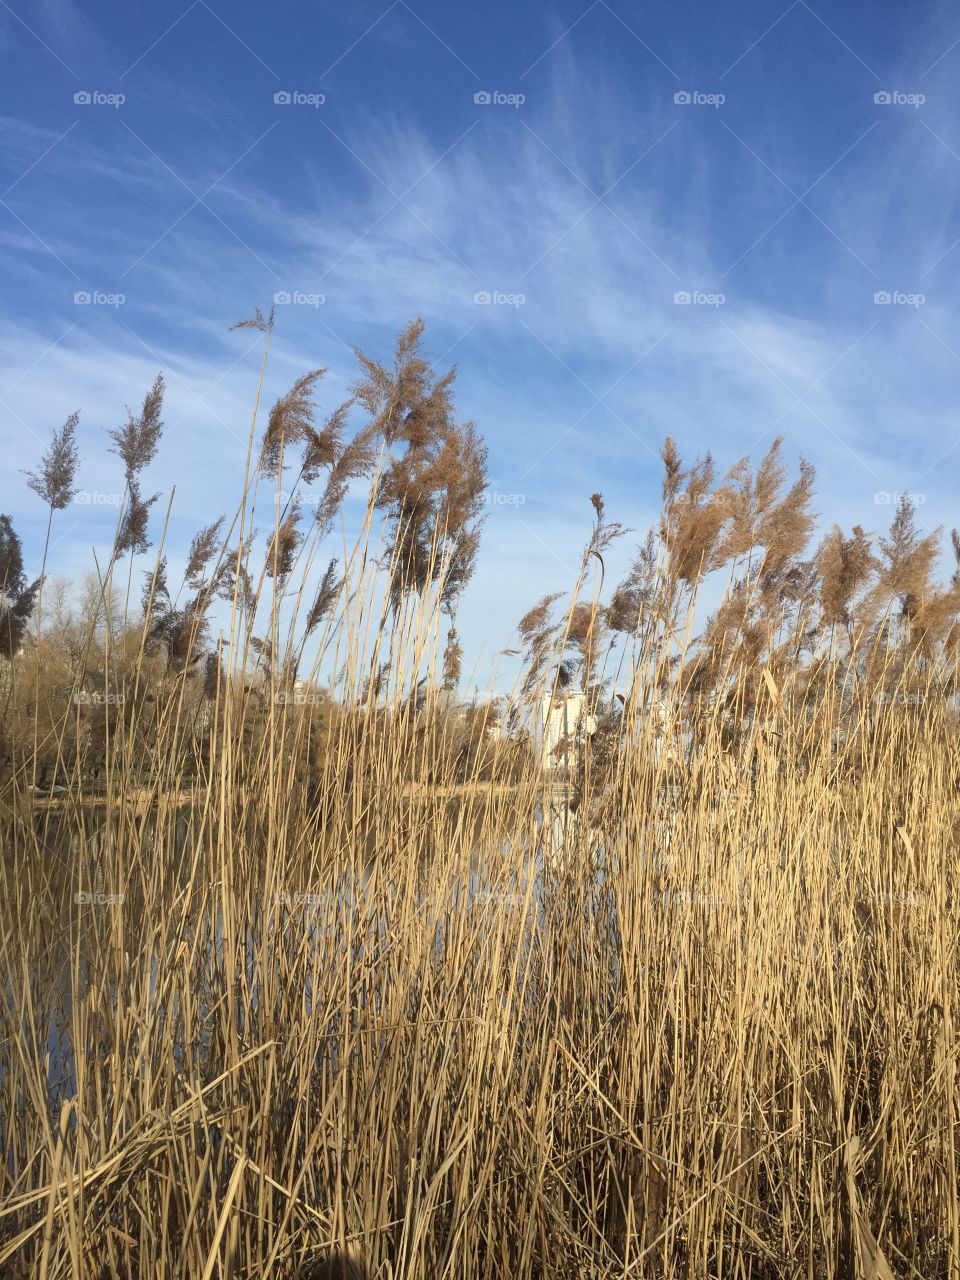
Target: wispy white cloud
(576, 386)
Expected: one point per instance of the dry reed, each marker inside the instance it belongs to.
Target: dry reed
(287, 999)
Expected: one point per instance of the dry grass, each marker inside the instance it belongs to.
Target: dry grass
(703, 1026)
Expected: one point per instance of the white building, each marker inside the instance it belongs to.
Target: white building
(563, 718)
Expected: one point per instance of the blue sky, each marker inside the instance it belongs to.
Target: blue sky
(586, 187)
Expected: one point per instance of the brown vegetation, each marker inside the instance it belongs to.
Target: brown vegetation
(284, 996)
